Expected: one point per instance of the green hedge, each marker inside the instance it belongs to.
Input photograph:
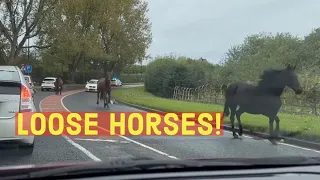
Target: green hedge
(166, 72)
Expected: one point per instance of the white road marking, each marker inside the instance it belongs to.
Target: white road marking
(285, 144)
(81, 148)
(126, 138)
(76, 145)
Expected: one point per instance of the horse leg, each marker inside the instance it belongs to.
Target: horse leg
(239, 112)
(98, 97)
(277, 119)
(271, 133)
(106, 97)
(109, 96)
(235, 135)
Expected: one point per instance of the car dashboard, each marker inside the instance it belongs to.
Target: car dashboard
(288, 173)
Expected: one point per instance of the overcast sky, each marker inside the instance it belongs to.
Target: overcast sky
(207, 28)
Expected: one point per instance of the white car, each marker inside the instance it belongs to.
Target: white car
(15, 96)
(48, 83)
(92, 85)
(29, 80)
(116, 82)
(30, 83)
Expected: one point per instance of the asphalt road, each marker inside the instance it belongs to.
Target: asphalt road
(62, 149)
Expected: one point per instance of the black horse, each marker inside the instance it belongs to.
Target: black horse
(262, 99)
(104, 89)
(58, 85)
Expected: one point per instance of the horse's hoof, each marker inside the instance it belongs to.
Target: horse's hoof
(273, 142)
(278, 139)
(236, 136)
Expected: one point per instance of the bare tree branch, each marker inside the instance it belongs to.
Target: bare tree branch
(23, 16)
(38, 47)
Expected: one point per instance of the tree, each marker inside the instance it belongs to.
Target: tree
(311, 49)
(125, 31)
(20, 19)
(104, 33)
(245, 62)
(70, 32)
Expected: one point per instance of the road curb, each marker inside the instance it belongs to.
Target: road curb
(287, 140)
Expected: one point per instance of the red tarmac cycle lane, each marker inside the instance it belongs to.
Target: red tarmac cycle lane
(53, 103)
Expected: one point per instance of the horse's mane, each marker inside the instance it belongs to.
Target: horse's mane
(268, 76)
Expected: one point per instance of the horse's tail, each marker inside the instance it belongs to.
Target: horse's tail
(226, 110)
(61, 82)
(224, 89)
(101, 95)
(230, 91)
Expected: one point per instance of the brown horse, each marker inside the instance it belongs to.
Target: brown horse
(104, 89)
(58, 85)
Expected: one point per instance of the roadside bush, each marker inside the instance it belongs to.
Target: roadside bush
(131, 78)
(166, 72)
(162, 75)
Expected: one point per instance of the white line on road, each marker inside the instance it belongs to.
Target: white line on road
(285, 144)
(126, 138)
(76, 145)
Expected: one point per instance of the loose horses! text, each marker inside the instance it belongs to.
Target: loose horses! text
(119, 123)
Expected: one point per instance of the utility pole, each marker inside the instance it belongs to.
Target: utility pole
(27, 34)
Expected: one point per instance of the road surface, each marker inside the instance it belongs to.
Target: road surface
(68, 149)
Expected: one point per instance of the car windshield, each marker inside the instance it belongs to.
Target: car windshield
(27, 79)
(9, 75)
(93, 82)
(159, 79)
(48, 79)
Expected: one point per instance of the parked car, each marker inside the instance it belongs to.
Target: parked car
(91, 85)
(116, 82)
(15, 96)
(30, 83)
(48, 83)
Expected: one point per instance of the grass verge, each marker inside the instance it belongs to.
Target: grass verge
(301, 126)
